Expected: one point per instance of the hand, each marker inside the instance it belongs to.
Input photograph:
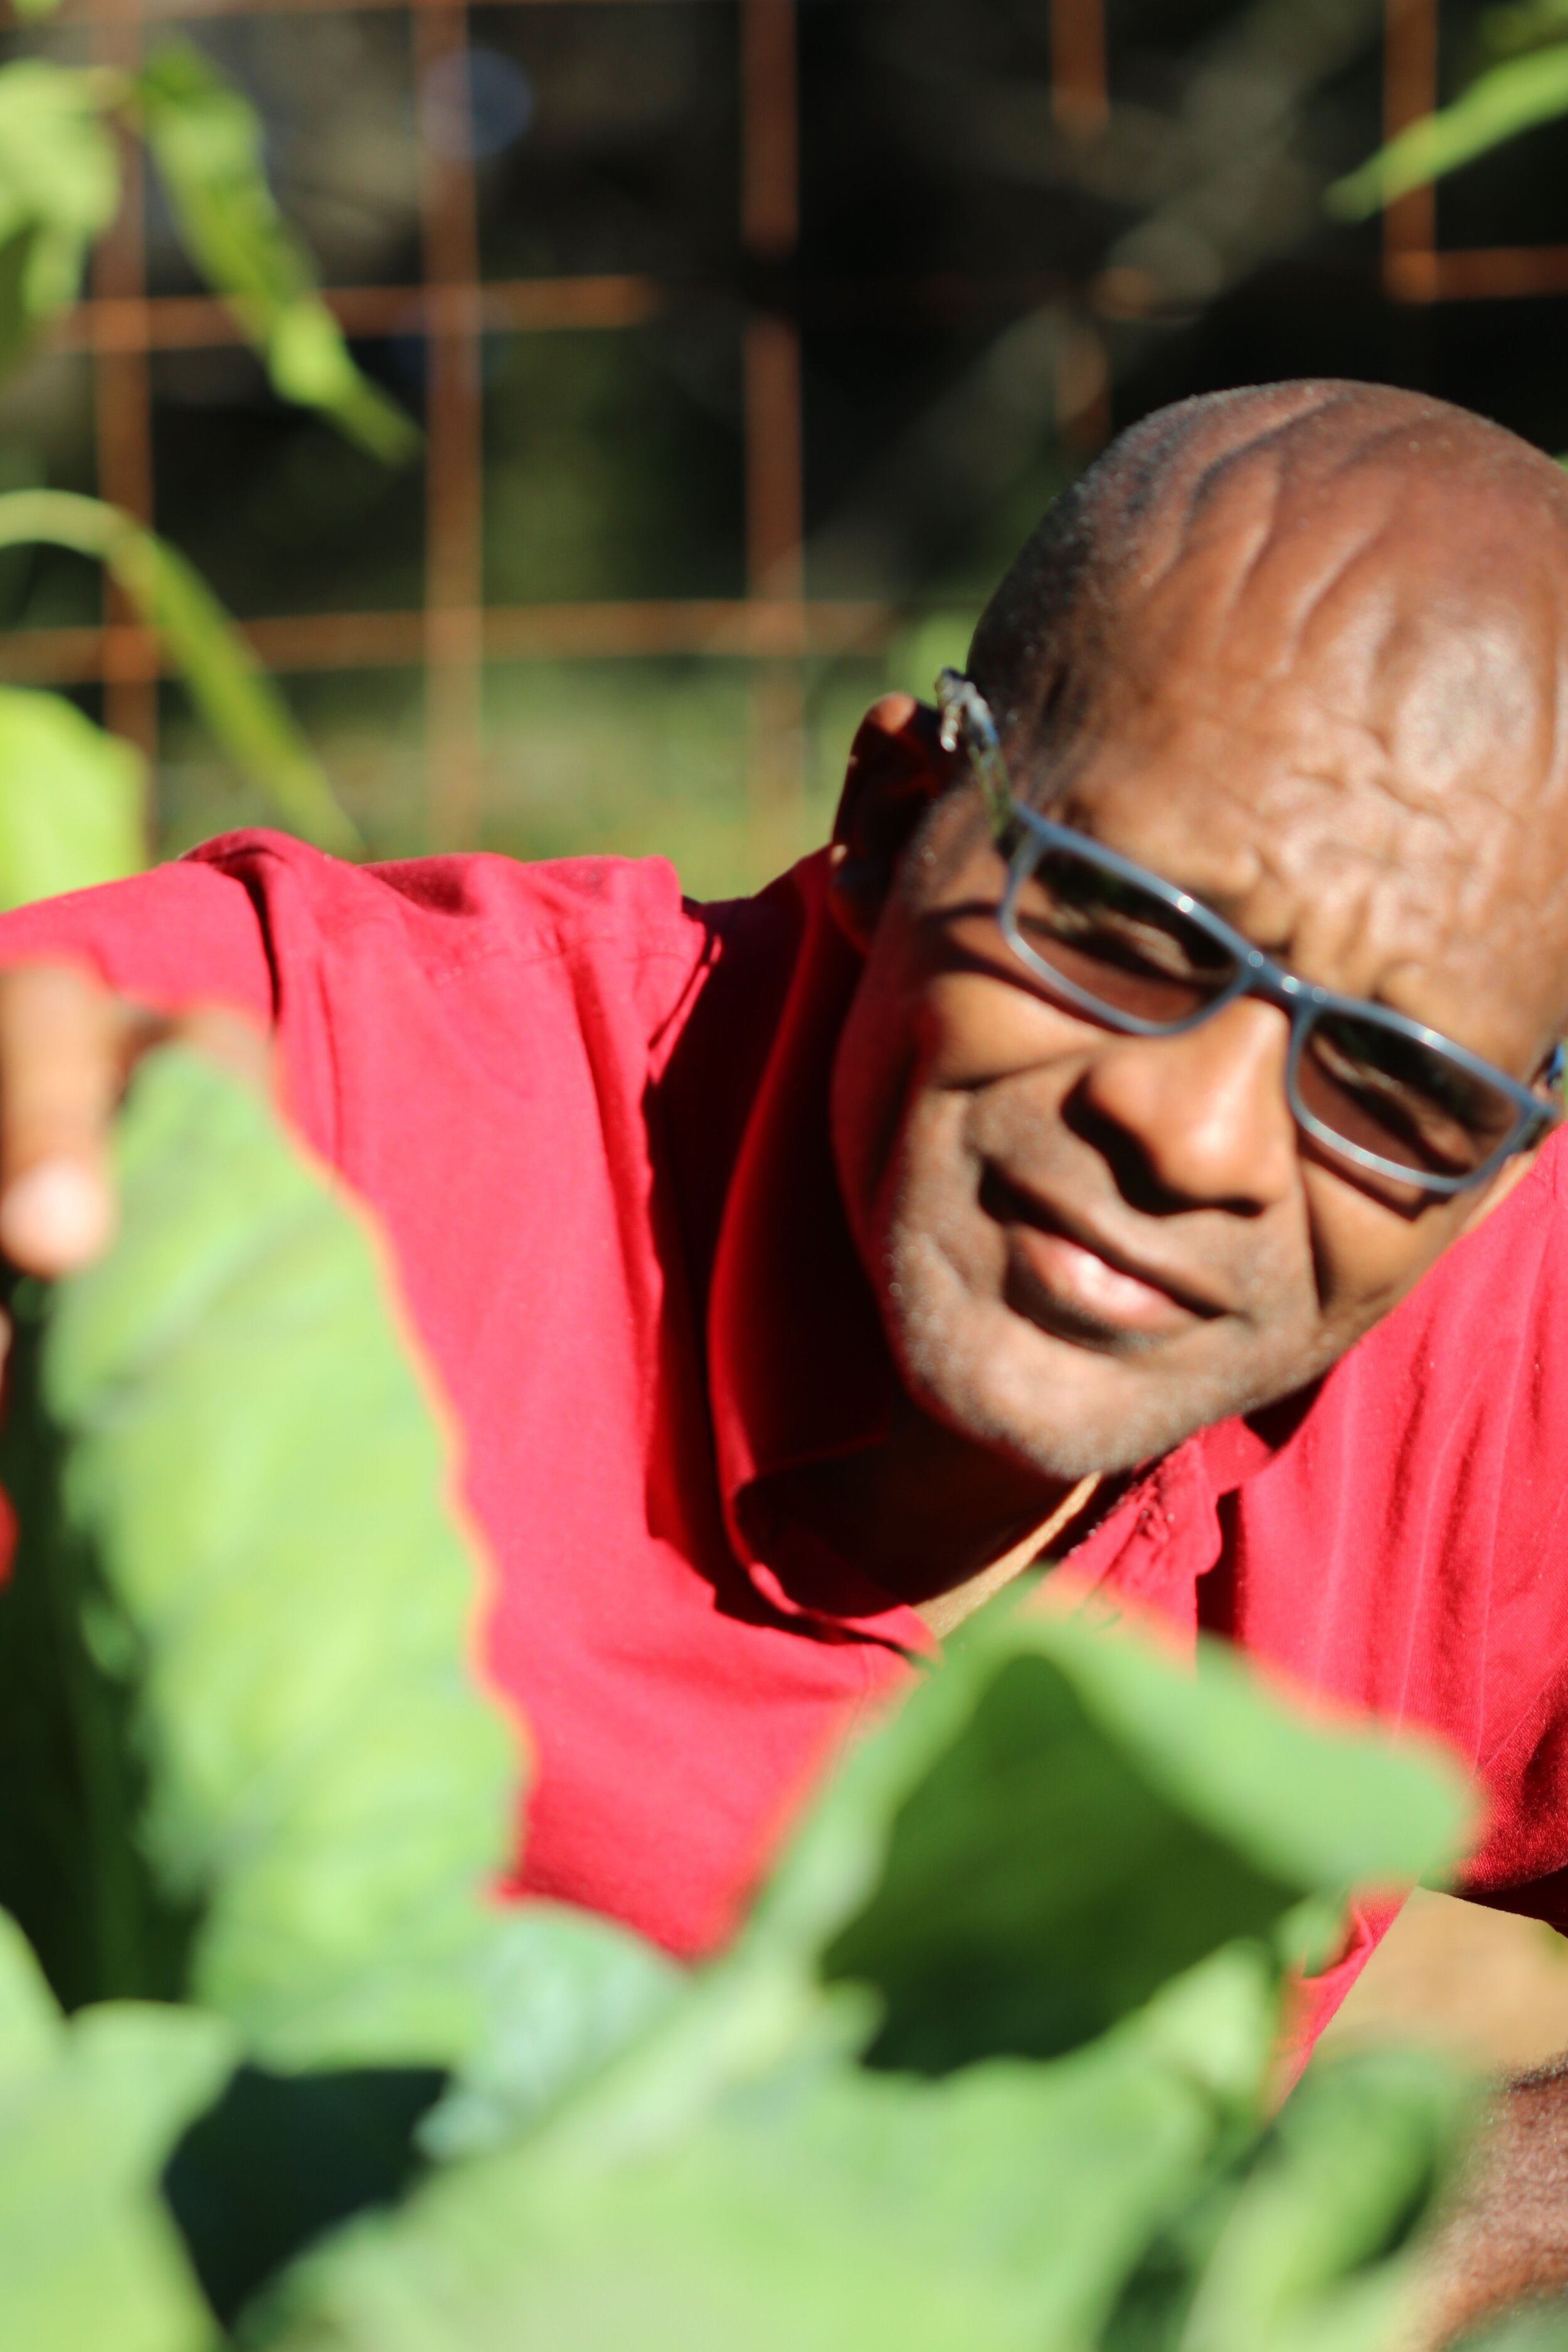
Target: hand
(68, 1043)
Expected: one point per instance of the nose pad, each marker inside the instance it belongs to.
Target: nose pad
(1202, 1117)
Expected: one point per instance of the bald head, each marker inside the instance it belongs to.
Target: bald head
(1407, 559)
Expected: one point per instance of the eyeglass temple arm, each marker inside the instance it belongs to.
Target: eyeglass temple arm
(967, 726)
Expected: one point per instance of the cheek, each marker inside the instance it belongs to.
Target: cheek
(970, 1030)
(872, 1070)
(1366, 1256)
(916, 1047)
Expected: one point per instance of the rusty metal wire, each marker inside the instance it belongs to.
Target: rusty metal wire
(776, 624)
(773, 625)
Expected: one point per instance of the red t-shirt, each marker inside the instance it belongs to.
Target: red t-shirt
(593, 1121)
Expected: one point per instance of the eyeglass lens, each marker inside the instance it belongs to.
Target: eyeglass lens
(1376, 1088)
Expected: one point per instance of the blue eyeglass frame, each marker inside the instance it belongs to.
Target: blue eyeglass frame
(968, 727)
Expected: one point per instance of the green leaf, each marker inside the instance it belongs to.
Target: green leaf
(1524, 25)
(18, 326)
(233, 693)
(206, 140)
(282, 2159)
(1544, 2329)
(1358, 2157)
(60, 189)
(70, 799)
(244, 1755)
(1029, 1858)
(1061, 1820)
(1497, 105)
(565, 1993)
(830, 2209)
(87, 2115)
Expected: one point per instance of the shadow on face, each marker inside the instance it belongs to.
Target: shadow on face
(1300, 657)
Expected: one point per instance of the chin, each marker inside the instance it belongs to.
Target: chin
(1059, 1406)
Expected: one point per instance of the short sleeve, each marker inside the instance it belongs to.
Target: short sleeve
(184, 934)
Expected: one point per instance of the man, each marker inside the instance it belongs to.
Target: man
(1130, 1142)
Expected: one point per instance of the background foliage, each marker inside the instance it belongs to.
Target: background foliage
(953, 378)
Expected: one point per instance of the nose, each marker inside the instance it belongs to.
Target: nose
(1202, 1117)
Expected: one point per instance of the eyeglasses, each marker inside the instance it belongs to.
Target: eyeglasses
(1144, 958)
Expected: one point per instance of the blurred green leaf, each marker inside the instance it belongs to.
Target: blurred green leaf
(1522, 24)
(88, 2115)
(565, 1992)
(1543, 2330)
(18, 323)
(282, 2159)
(821, 2212)
(1500, 103)
(206, 140)
(233, 693)
(59, 188)
(1178, 1810)
(1027, 1860)
(243, 1752)
(1353, 2167)
(71, 799)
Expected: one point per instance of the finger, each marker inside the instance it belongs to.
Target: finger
(59, 1074)
(238, 1044)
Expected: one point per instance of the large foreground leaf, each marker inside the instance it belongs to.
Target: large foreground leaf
(1061, 1820)
(244, 1754)
(565, 1994)
(823, 2209)
(88, 2115)
(1064, 1850)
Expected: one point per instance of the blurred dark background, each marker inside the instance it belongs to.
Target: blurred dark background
(752, 336)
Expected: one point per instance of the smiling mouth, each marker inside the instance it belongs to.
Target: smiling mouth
(1064, 1278)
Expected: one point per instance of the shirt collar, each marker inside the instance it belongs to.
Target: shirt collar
(798, 1369)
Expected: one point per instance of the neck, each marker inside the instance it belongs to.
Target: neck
(927, 1514)
(945, 1612)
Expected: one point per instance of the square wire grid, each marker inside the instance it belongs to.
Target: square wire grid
(775, 626)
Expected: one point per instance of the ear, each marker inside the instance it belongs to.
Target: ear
(896, 768)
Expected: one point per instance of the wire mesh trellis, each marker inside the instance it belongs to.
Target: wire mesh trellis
(777, 625)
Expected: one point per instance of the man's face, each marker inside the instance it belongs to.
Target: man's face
(1085, 1246)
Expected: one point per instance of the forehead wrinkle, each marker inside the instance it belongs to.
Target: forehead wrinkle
(1356, 887)
(1289, 570)
(1173, 498)
(1453, 856)
(1341, 912)
(1342, 917)
(1443, 702)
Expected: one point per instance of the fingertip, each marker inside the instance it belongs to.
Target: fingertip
(54, 1217)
